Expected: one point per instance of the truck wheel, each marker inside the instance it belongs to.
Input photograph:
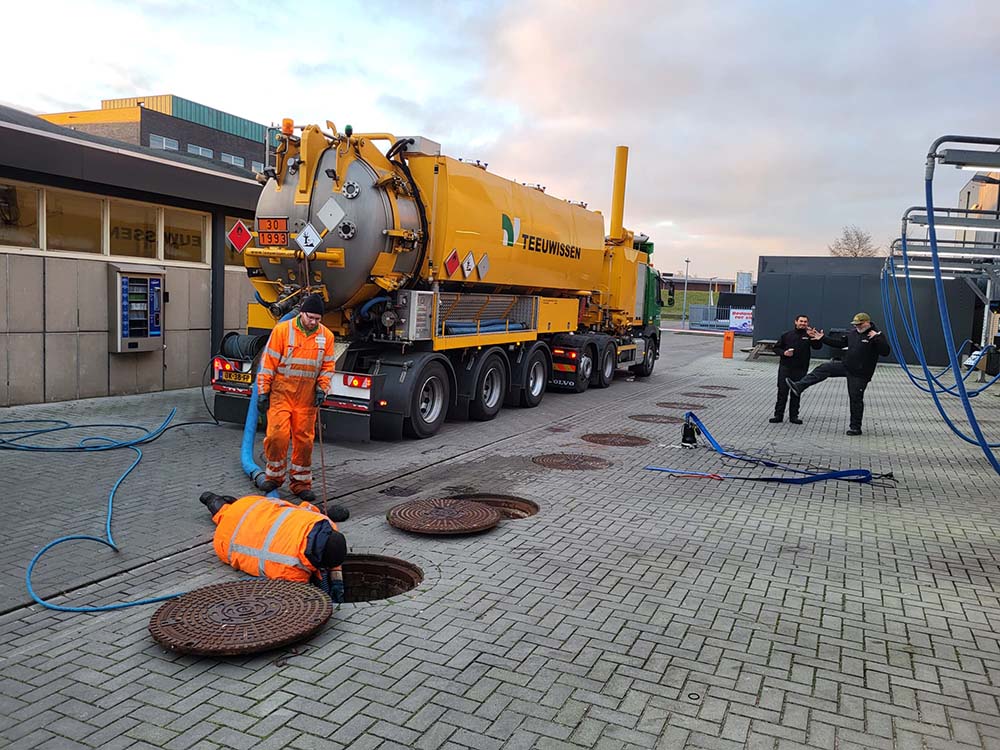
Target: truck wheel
(584, 369)
(646, 368)
(535, 379)
(491, 387)
(606, 372)
(428, 401)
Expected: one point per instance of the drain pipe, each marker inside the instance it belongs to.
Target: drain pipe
(256, 474)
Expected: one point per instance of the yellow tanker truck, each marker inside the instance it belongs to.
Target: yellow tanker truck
(452, 291)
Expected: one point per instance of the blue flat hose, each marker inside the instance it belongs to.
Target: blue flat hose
(863, 476)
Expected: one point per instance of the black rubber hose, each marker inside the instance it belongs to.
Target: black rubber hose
(423, 217)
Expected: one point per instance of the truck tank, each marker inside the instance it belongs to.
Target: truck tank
(384, 223)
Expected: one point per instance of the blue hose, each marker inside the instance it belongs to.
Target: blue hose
(363, 312)
(85, 445)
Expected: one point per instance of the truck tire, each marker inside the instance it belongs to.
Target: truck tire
(606, 371)
(428, 401)
(491, 387)
(536, 377)
(584, 369)
(645, 369)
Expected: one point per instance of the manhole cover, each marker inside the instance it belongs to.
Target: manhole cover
(680, 405)
(705, 395)
(369, 578)
(657, 418)
(616, 439)
(441, 515)
(396, 491)
(509, 507)
(240, 617)
(571, 461)
(718, 387)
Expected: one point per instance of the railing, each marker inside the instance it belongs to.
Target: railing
(715, 318)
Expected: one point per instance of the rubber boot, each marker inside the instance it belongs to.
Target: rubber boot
(268, 485)
(307, 496)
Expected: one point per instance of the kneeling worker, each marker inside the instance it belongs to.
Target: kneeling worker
(272, 538)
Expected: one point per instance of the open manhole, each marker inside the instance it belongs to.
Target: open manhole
(680, 405)
(718, 387)
(616, 439)
(705, 395)
(240, 617)
(442, 515)
(657, 418)
(510, 507)
(571, 461)
(369, 578)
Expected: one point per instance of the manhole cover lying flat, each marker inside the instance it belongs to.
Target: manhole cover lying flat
(719, 387)
(657, 418)
(680, 405)
(571, 461)
(509, 507)
(369, 578)
(705, 395)
(240, 617)
(616, 439)
(441, 515)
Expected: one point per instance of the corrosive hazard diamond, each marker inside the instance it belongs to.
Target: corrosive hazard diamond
(239, 236)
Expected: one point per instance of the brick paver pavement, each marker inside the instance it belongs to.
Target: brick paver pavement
(635, 611)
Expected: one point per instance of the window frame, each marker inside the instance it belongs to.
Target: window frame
(196, 150)
(165, 140)
(232, 159)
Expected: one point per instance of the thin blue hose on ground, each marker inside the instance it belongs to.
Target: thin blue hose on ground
(86, 445)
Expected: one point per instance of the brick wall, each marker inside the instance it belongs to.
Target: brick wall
(188, 132)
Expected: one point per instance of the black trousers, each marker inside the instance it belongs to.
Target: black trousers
(795, 373)
(856, 385)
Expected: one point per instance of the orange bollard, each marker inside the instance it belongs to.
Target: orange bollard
(728, 342)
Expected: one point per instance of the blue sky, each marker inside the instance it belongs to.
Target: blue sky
(754, 127)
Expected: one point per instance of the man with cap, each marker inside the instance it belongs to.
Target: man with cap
(272, 538)
(864, 344)
(293, 380)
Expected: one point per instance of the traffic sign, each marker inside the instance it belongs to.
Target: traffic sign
(308, 239)
(239, 236)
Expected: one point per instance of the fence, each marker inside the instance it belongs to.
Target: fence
(715, 318)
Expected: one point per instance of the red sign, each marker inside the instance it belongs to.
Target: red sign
(452, 263)
(240, 236)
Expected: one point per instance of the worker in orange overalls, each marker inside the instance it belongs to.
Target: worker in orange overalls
(272, 538)
(292, 382)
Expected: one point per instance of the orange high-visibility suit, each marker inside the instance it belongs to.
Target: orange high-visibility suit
(267, 537)
(296, 363)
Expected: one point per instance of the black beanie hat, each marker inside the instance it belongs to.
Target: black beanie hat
(312, 304)
(335, 551)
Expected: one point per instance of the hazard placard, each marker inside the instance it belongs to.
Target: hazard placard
(483, 266)
(451, 262)
(469, 264)
(239, 236)
(308, 239)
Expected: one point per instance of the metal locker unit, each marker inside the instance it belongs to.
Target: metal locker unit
(135, 309)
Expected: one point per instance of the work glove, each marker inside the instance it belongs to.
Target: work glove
(320, 397)
(263, 402)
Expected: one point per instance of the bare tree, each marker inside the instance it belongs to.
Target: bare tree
(854, 242)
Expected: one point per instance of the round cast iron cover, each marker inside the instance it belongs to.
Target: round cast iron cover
(705, 395)
(442, 515)
(240, 617)
(680, 405)
(616, 439)
(510, 507)
(571, 461)
(719, 387)
(657, 418)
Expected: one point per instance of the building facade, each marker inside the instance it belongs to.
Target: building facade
(171, 123)
(77, 212)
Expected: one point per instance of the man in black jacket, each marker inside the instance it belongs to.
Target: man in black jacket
(793, 349)
(865, 344)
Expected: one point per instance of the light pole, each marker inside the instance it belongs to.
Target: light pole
(711, 297)
(684, 304)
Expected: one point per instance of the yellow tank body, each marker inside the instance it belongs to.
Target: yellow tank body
(527, 238)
